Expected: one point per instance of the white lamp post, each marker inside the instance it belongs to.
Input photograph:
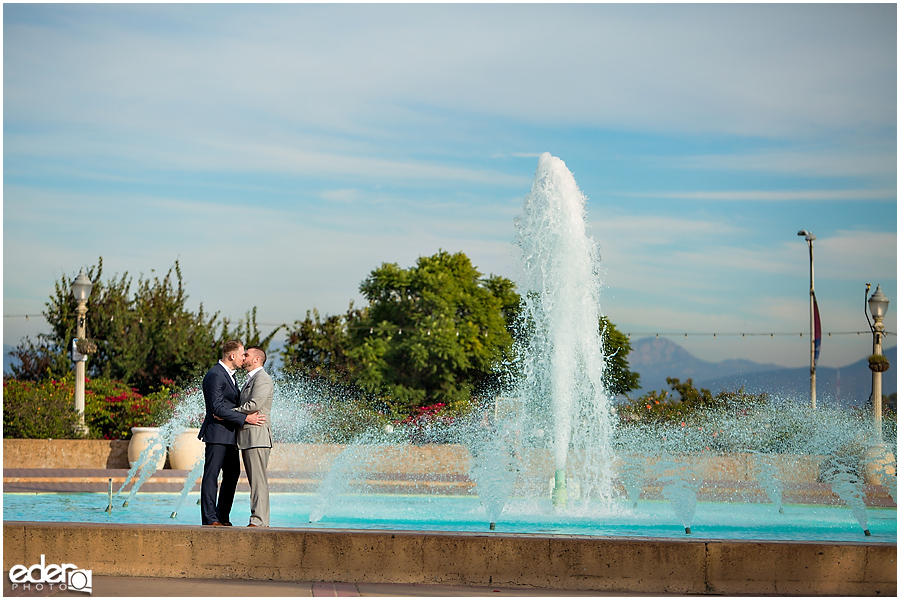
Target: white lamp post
(878, 305)
(812, 324)
(81, 289)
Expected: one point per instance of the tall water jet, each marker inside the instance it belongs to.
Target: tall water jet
(560, 345)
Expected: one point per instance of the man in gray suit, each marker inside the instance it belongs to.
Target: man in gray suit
(255, 441)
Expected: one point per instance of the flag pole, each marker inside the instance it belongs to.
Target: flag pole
(813, 321)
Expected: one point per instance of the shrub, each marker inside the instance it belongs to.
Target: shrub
(689, 405)
(46, 409)
(112, 408)
(39, 410)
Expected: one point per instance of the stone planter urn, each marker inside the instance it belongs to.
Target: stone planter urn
(880, 465)
(141, 438)
(186, 450)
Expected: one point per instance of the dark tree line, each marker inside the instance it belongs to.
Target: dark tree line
(147, 337)
(437, 332)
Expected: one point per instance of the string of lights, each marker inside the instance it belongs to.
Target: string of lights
(746, 334)
(656, 334)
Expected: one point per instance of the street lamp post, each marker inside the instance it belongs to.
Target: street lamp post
(812, 323)
(81, 289)
(878, 305)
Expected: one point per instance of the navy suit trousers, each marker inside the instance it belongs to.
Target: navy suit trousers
(224, 458)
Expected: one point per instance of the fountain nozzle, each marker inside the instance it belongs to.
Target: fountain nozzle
(867, 532)
(493, 526)
(559, 489)
(687, 530)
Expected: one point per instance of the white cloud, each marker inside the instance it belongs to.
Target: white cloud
(889, 195)
(857, 256)
(850, 161)
(678, 68)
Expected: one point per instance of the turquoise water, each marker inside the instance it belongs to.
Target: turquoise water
(650, 519)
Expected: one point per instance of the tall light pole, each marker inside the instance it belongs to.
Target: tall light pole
(81, 289)
(812, 320)
(878, 305)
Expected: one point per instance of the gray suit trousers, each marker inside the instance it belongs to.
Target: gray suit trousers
(256, 461)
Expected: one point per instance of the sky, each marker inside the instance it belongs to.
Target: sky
(282, 152)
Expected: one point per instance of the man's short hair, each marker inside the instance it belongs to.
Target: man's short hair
(230, 346)
(261, 352)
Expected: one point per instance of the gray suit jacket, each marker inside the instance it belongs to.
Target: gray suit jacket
(256, 397)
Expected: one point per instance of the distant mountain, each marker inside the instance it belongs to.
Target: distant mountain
(656, 359)
(850, 385)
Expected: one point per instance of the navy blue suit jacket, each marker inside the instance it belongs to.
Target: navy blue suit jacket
(221, 396)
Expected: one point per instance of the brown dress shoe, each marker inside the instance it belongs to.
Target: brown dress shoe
(252, 525)
(214, 524)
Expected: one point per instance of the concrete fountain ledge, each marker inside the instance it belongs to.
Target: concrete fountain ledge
(477, 559)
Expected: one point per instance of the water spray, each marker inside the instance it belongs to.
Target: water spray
(561, 349)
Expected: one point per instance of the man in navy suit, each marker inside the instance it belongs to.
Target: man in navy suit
(219, 431)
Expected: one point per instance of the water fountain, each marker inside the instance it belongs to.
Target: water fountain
(560, 346)
(550, 456)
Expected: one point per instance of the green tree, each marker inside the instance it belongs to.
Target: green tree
(318, 348)
(433, 333)
(618, 378)
(148, 339)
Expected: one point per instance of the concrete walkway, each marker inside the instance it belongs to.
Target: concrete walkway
(158, 587)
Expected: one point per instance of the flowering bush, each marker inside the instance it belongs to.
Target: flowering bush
(112, 408)
(428, 424)
(39, 410)
(46, 409)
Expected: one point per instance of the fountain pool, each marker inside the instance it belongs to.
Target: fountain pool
(411, 512)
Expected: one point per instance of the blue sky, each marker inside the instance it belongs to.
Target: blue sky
(282, 152)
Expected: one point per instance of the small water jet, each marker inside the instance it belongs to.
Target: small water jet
(146, 464)
(337, 482)
(681, 479)
(767, 477)
(844, 481)
(194, 474)
(493, 466)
